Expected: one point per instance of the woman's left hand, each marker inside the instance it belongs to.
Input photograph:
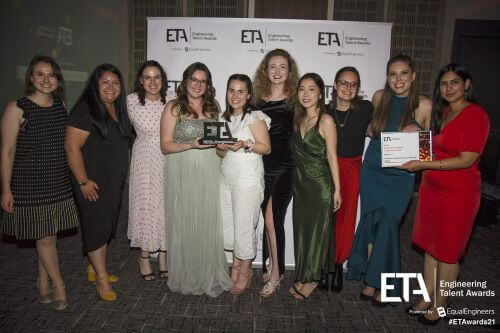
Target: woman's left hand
(238, 145)
(337, 201)
(412, 166)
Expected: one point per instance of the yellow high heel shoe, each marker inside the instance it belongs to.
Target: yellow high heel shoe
(91, 276)
(108, 296)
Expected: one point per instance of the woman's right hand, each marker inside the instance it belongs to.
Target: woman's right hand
(196, 145)
(89, 190)
(8, 202)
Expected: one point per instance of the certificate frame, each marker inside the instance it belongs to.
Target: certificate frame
(398, 148)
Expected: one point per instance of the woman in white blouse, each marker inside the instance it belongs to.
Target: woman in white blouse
(242, 181)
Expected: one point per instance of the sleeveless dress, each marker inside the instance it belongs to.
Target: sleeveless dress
(146, 219)
(313, 217)
(449, 200)
(278, 173)
(40, 181)
(196, 260)
(106, 163)
(385, 194)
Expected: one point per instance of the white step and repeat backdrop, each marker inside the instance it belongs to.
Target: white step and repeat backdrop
(229, 46)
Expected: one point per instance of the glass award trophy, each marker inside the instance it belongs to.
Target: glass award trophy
(216, 132)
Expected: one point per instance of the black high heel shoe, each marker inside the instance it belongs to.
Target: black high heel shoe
(338, 278)
(323, 282)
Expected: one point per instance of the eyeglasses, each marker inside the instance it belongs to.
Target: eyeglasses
(346, 84)
(194, 81)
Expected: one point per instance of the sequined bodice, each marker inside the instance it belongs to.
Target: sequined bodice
(186, 130)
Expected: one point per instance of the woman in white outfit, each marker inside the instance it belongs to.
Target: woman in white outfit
(242, 181)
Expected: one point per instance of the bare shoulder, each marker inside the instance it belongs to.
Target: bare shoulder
(326, 120)
(377, 96)
(169, 109)
(424, 104)
(12, 110)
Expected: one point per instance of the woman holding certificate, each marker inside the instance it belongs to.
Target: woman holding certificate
(196, 263)
(451, 186)
(386, 192)
(242, 181)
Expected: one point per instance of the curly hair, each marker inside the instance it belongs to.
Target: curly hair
(139, 88)
(262, 85)
(181, 103)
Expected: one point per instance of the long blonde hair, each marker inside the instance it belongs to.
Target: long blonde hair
(262, 85)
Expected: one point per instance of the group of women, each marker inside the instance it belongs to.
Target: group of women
(200, 200)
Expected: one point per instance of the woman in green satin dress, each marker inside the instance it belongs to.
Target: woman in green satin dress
(317, 185)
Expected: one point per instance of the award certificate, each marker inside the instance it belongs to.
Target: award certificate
(401, 147)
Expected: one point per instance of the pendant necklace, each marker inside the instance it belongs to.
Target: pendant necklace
(345, 119)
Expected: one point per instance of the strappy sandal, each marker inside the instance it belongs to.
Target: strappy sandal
(59, 304)
(45, 298)
(150, 276)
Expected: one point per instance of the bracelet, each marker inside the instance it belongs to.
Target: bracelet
(250, 145)
(83, 182)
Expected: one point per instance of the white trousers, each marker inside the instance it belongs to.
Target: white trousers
(242, 192)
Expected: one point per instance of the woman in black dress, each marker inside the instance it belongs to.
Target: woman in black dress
(36, 189)
(97, 144)
(275, 83)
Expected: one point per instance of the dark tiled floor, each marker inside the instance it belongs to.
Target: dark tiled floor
(151, 307)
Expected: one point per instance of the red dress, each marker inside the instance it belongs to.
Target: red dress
(449, 199)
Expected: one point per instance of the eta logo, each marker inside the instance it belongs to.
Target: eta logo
(387, 138)
(406, 287)
(174, 35)
(250, 36)
(328, 38)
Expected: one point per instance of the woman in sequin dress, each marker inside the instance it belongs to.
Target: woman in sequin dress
(197, 263)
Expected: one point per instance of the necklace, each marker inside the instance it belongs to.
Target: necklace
(345, 119)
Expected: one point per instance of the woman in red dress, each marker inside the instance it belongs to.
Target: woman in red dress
(451, 186)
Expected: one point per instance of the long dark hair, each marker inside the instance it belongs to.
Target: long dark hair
(300, 111)
(98, 114)
(439, 103)
(181, 103)
(29, 87)
(383, 109)
(139, 88)
(249, 104)
(356, 99)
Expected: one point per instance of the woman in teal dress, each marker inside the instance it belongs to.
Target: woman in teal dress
(196, 261)
(386, 192)
(316, 190)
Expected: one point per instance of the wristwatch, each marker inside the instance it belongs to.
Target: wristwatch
(83, 182)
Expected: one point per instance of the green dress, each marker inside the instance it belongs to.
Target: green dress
(313, 217)
(195, 240)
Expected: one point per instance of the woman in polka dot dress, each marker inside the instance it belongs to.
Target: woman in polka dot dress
(146, 222)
